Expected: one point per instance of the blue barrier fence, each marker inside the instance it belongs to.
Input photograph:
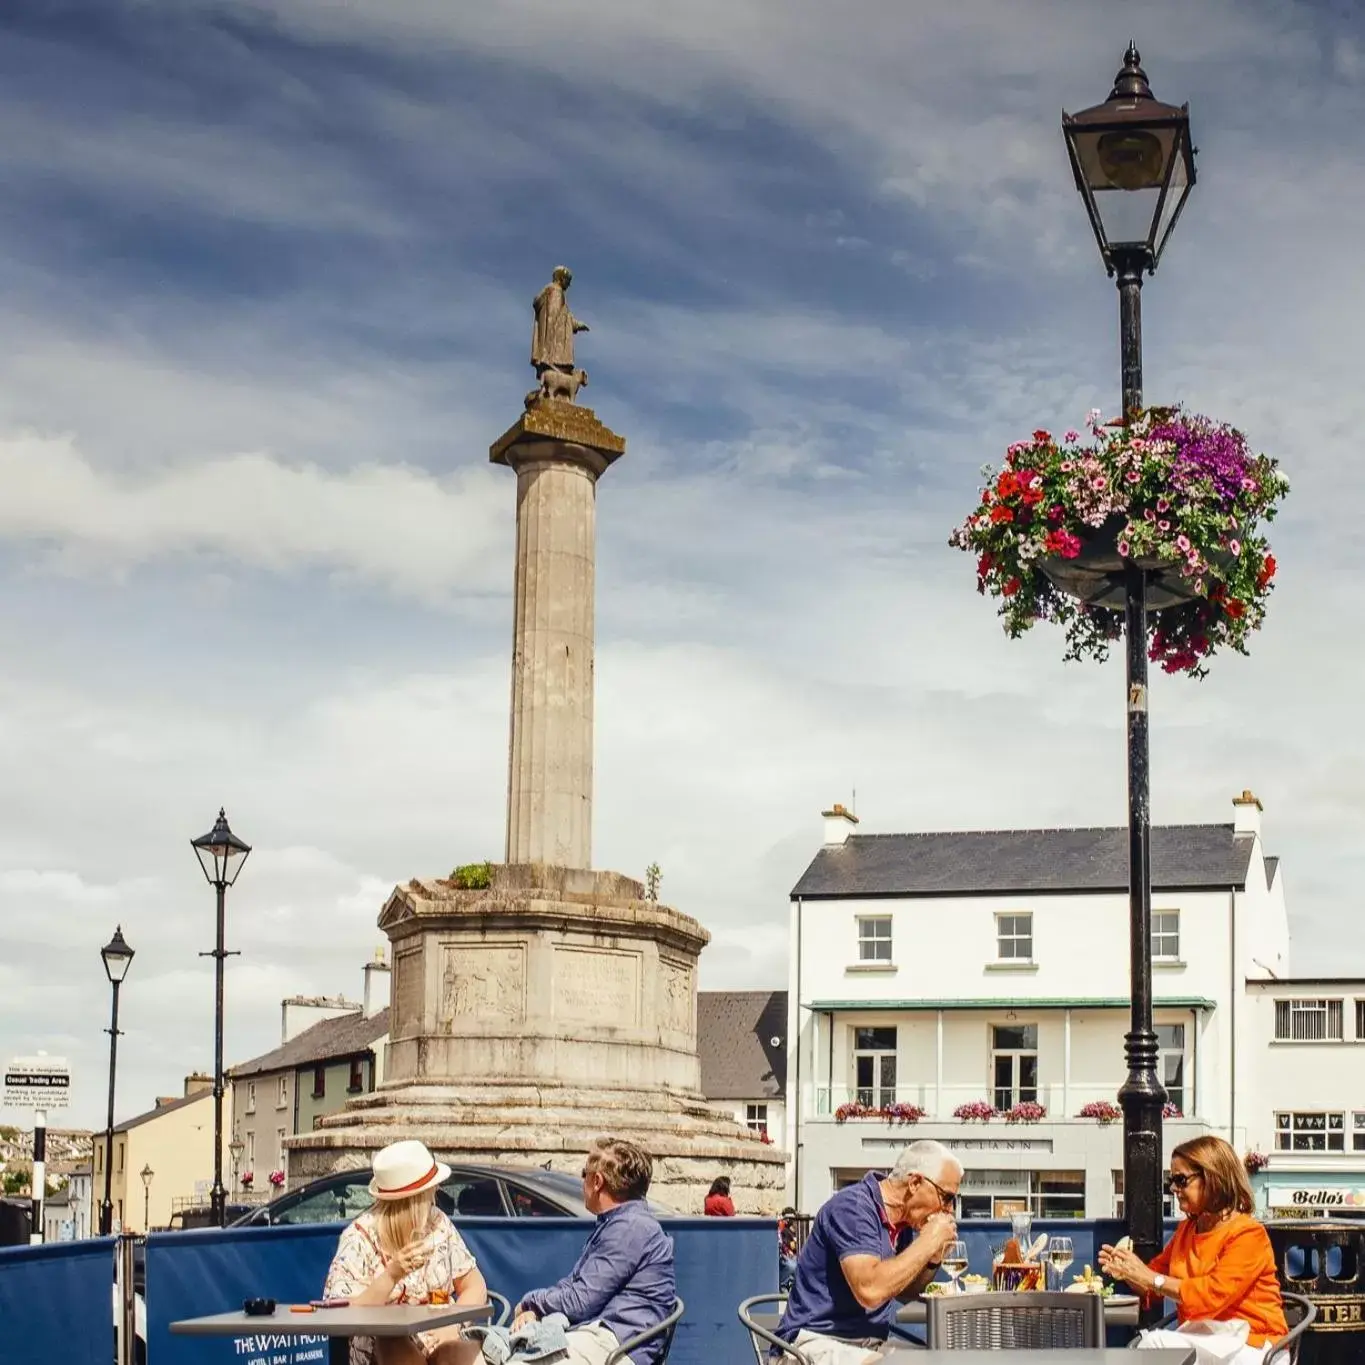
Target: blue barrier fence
(57, 1303)
(190, 1274)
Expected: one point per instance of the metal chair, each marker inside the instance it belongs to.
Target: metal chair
(1299, 1313)
(502, 1308)
(664, 1329)
(994, 1322)
(761, 1334)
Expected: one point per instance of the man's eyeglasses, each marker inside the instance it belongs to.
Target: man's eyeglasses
(1175, 1183)
(947, 1198)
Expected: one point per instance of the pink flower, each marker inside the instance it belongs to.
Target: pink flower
(1124, 547)
(1067, 466)
(1071, 436)
(1163, 526)
(1148, 514)
(1099, 483)
(1182, 543)
(1132, 476)
(1162, 505)
(1235, 546)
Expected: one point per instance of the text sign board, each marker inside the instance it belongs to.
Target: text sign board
(38, 1083)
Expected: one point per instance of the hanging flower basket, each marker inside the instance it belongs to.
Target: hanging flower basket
(1255, 1161)
(1171, 1111)
(1026, 1111)
(1178, 495)
(978, 1111)
(276, 1178)
(247, 1178)
(1102, 1111)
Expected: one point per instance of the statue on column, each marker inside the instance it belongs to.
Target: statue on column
(552, 342)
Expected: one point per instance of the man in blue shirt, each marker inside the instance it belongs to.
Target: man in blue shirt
(859, 1260)
(622, 1283)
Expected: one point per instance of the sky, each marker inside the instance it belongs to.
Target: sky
(265, 285)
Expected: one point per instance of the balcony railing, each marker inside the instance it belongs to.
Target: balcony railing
(1062, 1102)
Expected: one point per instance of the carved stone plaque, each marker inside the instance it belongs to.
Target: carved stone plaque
(677, 997)
(407, 992)
(597, 986)
(482, 983)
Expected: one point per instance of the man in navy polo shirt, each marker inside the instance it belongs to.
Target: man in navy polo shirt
(859, 1260)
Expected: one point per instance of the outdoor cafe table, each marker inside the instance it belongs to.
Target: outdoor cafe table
(906, 1355)
(375, 1320)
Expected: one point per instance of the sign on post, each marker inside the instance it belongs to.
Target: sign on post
(37, 1083)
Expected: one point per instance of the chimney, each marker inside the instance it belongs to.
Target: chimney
(839, 822)
(1246, 814)
(377, 982)
(196, 1083)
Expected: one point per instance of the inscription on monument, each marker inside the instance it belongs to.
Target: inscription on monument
(407, 991)
(677, 997)
(482, 983)
(598, 987)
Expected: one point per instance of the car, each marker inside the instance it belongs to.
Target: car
(470, 1192)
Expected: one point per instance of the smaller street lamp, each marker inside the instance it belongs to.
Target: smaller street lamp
(221, 854)
(117, 957)
(147, 1173)
(235, 1149)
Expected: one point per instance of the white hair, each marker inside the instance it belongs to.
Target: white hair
(927, 1158)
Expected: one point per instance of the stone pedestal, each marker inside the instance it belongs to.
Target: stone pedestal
(533, 1016)
(558, 451)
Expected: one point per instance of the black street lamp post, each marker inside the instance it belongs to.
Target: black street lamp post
(118, 957)
(221, 854)
(1134, 166)
(147, 1173)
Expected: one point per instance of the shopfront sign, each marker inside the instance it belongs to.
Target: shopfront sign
(1308, 1199)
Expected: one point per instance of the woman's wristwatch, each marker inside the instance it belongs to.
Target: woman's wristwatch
(1158, 1283)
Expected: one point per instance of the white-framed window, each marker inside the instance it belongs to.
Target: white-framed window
(756, 1118)
(251, 1152)
(1014, 1064)
(1170, 1039)
(874, 938)
(1358, 1131)
(1310, 1131)
(282, 1092)
(874, 1066)
(1308, 1021)
(1166, 935)
(251, 1097)
(1014, 937)
(1360, 1020)
(280, 1135)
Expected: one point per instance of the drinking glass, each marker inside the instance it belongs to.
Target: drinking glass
(954, 1262)
(1060, 1253)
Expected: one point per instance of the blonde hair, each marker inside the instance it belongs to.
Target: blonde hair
(1225, 1178)
(625, 1167)
(401, 1221)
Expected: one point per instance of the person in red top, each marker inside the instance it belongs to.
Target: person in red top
(1219, 1266)
(718, 1202)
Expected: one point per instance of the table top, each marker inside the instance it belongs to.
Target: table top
(375, 1320)
(1074, 1356)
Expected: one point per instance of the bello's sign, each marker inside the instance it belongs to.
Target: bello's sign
(1322, 1199)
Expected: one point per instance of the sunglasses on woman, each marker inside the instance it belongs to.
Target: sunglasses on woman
(1175, 1183)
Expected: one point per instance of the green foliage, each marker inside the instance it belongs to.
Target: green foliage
(473, 876)
(15, 1181)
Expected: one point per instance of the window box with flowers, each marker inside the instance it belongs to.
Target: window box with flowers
(1171, 1111)
(896, 1112)
(1026, 1111)
(1179, 495)
(1102, 1111)
(976, 1111)
(1255, 1161)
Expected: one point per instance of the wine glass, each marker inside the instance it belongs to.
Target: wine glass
(1061, 1253)
(954, 1262)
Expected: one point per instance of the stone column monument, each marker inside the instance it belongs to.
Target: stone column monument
(546, 1003)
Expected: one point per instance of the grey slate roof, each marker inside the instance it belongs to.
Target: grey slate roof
(348, 1035)
(168, 1107)
(738, 1059)
(986, 862)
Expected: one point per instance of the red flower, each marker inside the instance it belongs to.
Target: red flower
(1011, 587)
(1056, 513)
(1033, 495)
(1267, 571)
(984, 565)
(1007, 485)
(999, 514)
(1042, 437)
(1234, 608)
(1062, 543)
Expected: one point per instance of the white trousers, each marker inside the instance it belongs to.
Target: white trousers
(590, 1344)
(821, 1350)
(1208, 1350)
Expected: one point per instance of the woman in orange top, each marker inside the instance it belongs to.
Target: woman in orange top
(1219, 1265)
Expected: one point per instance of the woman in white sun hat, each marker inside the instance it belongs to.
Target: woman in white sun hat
(405, 1250)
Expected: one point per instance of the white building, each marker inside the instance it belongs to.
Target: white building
(742, 1049)
(938, 970)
